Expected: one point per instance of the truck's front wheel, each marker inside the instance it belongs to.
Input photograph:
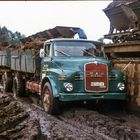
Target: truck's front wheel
(50, 104)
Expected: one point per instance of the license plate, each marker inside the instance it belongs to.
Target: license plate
(97, 84)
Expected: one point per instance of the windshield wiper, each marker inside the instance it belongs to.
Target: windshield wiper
(88, 53)
(62, 52)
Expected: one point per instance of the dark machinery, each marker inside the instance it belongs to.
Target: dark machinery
(124, 17)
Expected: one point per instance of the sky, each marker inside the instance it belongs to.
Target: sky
(30, 17)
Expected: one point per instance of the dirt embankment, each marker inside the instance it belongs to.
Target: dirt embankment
(15, 122)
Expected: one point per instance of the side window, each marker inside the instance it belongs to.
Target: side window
(47, 49)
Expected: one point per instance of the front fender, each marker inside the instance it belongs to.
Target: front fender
(53, 83)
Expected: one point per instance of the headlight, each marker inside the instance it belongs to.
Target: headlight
(68, 87)
(121, 86)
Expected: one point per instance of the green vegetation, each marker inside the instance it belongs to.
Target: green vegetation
(7, 37)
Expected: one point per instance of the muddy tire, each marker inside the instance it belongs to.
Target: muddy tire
(19, 86)
(50, 104)
(7, 81)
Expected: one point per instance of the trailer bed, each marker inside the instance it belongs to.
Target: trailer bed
(25, 61)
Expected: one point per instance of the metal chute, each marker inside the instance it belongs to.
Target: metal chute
(57, 32)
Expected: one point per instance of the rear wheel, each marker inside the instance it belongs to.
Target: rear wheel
(50, 104)
(19, 86)
(7, 81)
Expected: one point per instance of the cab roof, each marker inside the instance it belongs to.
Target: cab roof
(72, 39)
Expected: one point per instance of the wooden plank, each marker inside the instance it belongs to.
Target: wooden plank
(118, 49)
(126, 60)
(132, 77)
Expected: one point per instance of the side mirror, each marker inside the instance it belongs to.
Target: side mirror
(103, 51)
(42, 53)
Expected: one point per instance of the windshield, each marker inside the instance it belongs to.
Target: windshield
(74, 48)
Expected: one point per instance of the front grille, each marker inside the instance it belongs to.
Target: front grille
(96, 77)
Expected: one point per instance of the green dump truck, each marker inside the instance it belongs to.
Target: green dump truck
(63, 70)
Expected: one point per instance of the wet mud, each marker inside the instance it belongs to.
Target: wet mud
(23, 119)
(79, 122)
(15, 122)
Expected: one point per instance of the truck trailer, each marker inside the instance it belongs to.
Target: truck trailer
(64, 70)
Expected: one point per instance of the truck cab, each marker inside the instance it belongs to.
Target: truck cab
(75, 70)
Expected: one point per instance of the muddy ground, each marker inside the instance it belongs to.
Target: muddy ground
(23, 119)
(15, 122)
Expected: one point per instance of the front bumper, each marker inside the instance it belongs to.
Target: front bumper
(92, 96)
